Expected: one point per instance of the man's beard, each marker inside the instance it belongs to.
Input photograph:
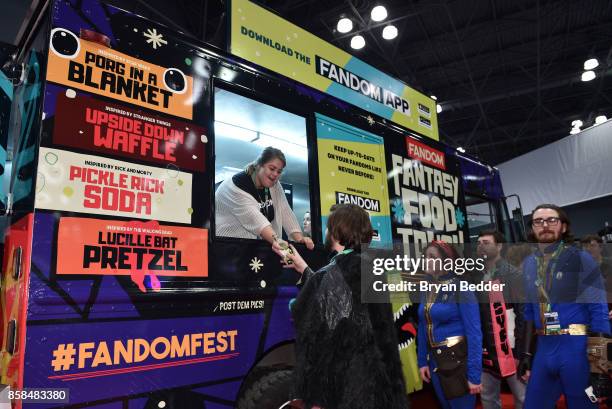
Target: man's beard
(548, 236)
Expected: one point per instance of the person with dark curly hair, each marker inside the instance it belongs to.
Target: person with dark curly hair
(346, 350)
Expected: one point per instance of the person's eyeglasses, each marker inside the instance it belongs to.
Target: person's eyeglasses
(551, 221)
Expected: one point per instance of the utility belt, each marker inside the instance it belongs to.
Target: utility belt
(448, 342)
(599, 353)
(450, 357)
(572, 329)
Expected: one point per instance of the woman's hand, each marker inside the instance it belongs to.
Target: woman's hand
(475, 389)
(307, 241)
(298, 263)
(525, 377)
(425, 375)
(300, 238)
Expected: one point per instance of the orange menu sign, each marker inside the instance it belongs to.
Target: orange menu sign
(134, 248)
(104, 71)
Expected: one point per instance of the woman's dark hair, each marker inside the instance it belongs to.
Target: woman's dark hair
(567, 237)
(350, 225)
(264, 157)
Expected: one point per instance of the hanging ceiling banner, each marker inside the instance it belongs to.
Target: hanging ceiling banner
(268, 40)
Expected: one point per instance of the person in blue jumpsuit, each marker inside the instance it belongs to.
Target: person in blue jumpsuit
(446, 318)
(566, 302)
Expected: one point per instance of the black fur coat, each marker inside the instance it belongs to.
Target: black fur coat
(347, 353)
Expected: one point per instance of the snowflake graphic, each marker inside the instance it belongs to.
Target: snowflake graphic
(154, 38)
(256, 264)
(460, 218)
(397, 207)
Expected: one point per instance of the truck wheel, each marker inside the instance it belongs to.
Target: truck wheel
(269, 391)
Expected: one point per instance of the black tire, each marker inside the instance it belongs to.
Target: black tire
(268, 391)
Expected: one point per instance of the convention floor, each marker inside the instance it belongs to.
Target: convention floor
(426, 399)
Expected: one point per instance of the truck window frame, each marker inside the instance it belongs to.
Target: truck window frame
(311, 146)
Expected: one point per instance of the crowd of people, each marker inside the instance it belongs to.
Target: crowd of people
(553, 307)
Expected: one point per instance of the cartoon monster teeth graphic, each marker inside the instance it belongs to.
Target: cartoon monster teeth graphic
(404, 325)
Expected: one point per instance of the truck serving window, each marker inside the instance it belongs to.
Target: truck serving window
(481, 215)
(244, 128)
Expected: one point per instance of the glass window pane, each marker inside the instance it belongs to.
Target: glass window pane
(243, 129)
(480, 216)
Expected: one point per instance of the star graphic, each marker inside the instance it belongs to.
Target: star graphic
(256, 264)
(370, 120)
(397, 207)
(154, 38)
(460, 218)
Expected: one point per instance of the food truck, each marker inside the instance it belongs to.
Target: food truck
(116, 292)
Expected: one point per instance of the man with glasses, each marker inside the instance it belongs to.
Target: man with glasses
(565, 303)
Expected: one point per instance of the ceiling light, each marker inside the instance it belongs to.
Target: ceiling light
(591, 64)
(389, 32)
(460, 149)
(357, 42)
(588, 76)
(577, 123)
(438, 108)
(574, 131)
(434, 97)
(379, 13)
(344, 25)
(600, 119)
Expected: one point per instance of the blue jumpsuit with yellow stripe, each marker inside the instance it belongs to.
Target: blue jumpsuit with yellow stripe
(574, 290)
(453, 314)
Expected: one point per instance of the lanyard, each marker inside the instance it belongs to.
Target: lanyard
(345, 251)
(544, 280)
(265, 189)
